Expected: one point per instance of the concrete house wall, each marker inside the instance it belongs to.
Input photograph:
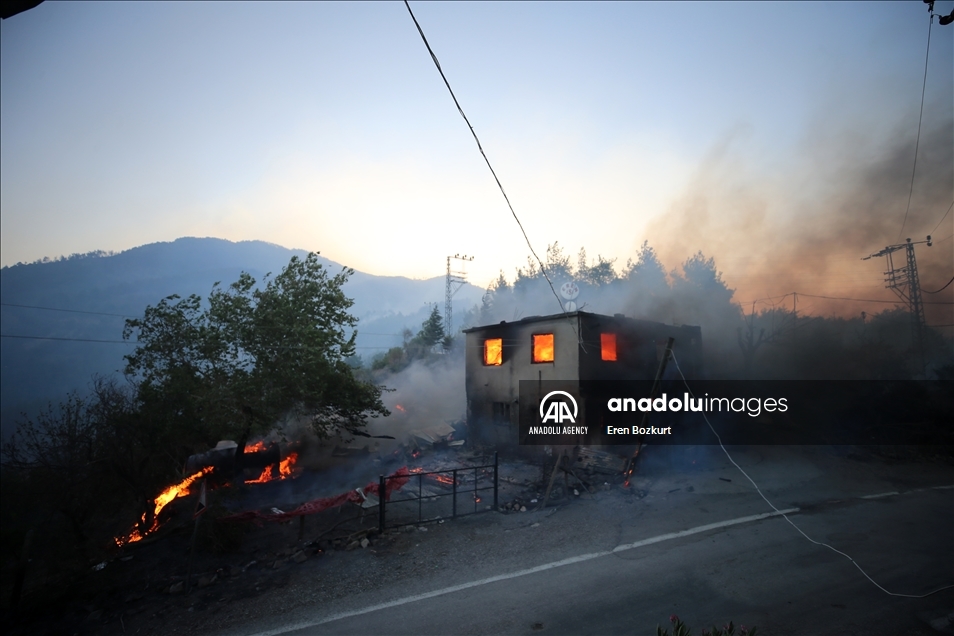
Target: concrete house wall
(493, 391)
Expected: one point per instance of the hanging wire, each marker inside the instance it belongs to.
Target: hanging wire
(920, 117)
(785, 516)
(941, 289)
(943, 217)
(72, 311)
(492, 171)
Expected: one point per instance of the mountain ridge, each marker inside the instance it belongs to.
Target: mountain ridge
(36, 372)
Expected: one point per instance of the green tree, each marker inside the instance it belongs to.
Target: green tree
(598, 274)
(526, 278)
(500, 285)
(647, 290)
(253, 356)
(701, 273)
(432, 329)
(647, 273)
(701, 281)
(394, 360)
(559, 269)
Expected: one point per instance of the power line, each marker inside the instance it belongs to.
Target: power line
(72, 311)
(368, 333)
(943, 217)
(100, 313)
(868, 300)
(132, 342)
(5, 335)
(940, 290)
(865, 300)
(487, 161)
(759, 300)
(920, 117)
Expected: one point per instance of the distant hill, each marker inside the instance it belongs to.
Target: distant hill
(35, 372)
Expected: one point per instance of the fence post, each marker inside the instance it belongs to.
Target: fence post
(496, 468)
(382, 490)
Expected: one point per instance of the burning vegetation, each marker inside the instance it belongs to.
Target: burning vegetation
(150, 522)
(285, 470)
(163, 499)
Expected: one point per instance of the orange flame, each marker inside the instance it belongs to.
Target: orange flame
(285, 466)
(400, 408)
(542, 347)
(443, 479)
(161, 501)
(285, 470)
(256, 447)
(608, 347)
(493, 352)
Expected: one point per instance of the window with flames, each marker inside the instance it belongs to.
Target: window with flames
(543, 347)
(493, 352)
(608, 347)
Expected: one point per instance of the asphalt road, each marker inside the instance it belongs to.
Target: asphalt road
(710, 554)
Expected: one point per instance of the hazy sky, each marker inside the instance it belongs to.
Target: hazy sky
(734, 128)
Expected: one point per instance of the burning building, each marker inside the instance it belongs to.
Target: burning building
(573, 347)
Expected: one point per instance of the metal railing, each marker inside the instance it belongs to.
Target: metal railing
(440, 484)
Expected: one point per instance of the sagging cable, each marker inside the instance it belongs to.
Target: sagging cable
(543, 269)
(792, 523)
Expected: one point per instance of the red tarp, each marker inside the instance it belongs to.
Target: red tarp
(394, 481)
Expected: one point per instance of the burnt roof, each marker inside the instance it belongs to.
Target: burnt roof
(586, 315)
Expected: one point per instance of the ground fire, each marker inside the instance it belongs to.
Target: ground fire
(286, 469)
(175, 491)
(440, 478)
(283, 469)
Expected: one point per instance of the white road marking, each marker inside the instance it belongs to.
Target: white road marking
(519, 573)
(882, 494)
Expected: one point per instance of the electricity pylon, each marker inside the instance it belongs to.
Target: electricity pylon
(455, 280)
(904, 282)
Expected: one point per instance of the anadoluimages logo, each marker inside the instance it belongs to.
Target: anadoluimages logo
(558, 411)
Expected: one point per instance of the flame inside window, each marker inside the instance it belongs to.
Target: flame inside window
(608, 346)
(543, 347)
(493, 352)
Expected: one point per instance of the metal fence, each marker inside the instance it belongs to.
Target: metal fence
(439, 494)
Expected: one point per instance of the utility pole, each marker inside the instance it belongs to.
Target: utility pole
(455, 280)
(794, 316)
(904, 282)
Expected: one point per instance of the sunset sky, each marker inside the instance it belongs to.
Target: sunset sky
(777, 137)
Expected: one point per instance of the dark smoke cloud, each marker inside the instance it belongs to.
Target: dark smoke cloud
(805, 225)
